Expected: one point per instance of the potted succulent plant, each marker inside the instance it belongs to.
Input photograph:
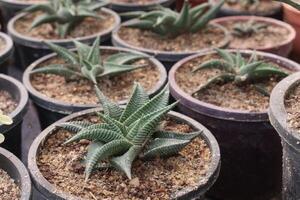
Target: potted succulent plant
(59, 21)
(138, 5)
(259, 33)
(138, 151)
(167, 34)
(14, 178)
(6, 49)
(69, 83)
(13, 102)
(229, 92)
(267, 8)
(284, 116)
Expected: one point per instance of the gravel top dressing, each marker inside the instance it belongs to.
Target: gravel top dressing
(8, 188)
(7, 103)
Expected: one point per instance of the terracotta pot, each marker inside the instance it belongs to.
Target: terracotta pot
(292, 16)
(30, 49)
(50, 192)
(17, 171)
(290, 138)
(51, 110)
(128, 7)
(250, 148)
(282, 49)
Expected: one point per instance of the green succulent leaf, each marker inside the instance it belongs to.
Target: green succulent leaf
(74, 126)
(58, 69)
(175, 135)
(64, 53)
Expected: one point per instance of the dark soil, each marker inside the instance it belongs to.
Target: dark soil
(7, 103)
(8, 188)
(155, 179)
(292, 105)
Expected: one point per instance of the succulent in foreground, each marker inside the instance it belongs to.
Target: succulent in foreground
(169, 23)
(240, 71)
(65, 14)
(129, 133)
(247, 29)
(87, 63)
(4, 120)
(245, 3)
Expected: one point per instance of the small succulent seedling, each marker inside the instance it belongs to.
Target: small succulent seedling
(87, 63)
(65, 14)
(129, 133)
(4, 120)
(238, 70)
(247, 29)
(245, 3)
(168, 23)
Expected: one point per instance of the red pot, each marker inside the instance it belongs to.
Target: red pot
(291, 16)
(283, 48)
(192, 2)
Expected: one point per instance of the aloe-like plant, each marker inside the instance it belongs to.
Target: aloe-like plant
(65, 14)
(238, 70)
(87, 62)
(168, 23)
(129, 133)
(4, 120)
(247, 29)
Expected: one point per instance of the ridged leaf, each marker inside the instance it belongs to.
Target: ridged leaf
(175, 135)
(74, 126)
(57, 69)
(64, 53)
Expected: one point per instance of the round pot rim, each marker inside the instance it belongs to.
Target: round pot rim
(49, 188)
(217, 111)
(278, 114)
(26, 182)
(20, 110)
(6, 52)
(289, 39)
(117, 41)
(148, 4)
(34, 42)
(61, 104)
(239, 12)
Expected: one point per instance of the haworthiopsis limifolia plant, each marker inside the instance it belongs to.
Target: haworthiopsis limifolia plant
(247, 29)
(237, 69)
(4, 120)
(128, 133)
(65, 14)
(168, 23)
(87, 63)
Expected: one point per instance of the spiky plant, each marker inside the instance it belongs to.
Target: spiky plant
(129, 133)
(245, 3)
(87, 63)
(248, 29)
(168, 23)
(65, 14)
(4, 120)
(238, 70)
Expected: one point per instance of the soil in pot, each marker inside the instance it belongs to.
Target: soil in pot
(89, 26)
(211, 36)
(2, 44)
(7, 103)
(246, 97)
(82, 91)
(8, 188)
(156, 179)
(270, 36)
(264, 6)
(292, 105)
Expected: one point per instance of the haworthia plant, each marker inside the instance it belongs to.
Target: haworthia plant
(169, 23)
(66, 14)
(87, 62)
(129, 133)
(235, 68)
(247, 29)
(4, 120)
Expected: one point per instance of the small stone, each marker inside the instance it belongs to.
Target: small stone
(135, 182)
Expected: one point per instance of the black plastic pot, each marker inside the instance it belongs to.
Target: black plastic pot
(290, 138)
(51, 110)
(250, 148)
(6, 53)
(17, 171)
(167, 57)
(30, 49)
(128, 7)
(50, 192)
(12, 132)
(275, 13)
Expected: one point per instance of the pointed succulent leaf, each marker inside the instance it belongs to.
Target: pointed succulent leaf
(92, 148)
(40, 7)
(57, 69)
(183, 18)
(64, 53)
(249, 68)
(114, 69)
(94, 55)
(124, 58)
(214, 64)
(261, 89)
(74, 126)
(227, 56)
(175, 135)
(164, 147)
(43, 19)
(267, 71)
(124, 162)
(197, 11)
(115, 124)
(83, 50)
